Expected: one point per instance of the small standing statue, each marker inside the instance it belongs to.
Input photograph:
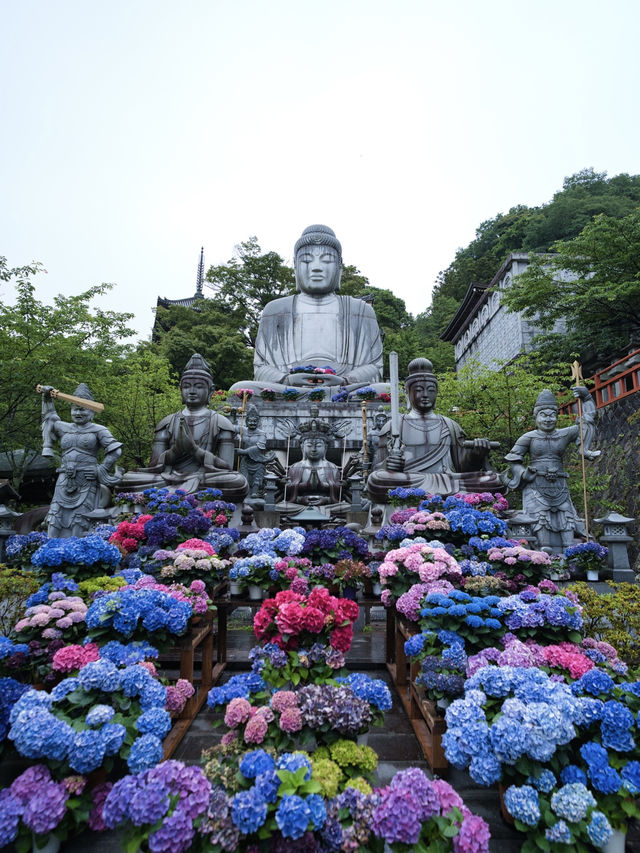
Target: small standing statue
(252, 453)
(380, 418)
(83, 482)
(545, 493)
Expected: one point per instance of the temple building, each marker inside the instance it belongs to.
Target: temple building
(483, 329)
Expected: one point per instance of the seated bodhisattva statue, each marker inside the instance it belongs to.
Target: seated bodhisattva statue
(318, 327)
(194, 448)
(314, 480)
(432, 452)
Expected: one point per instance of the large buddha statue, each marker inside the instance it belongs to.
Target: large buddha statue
(433, 452)
(318, 327)
(194, 448)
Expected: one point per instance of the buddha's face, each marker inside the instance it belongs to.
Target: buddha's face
(313, 449)
(546, 419)
(422, 395)
(318, 270)
(195, 392)
(80, 415)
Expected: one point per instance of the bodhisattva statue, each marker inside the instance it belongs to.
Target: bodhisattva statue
(194, 448)
(83, 482)
(314, 480)
(545, 493)
(433, 453)
(253, 454)
(317, 326)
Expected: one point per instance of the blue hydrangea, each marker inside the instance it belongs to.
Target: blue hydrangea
(155, 721)
(292, 761)
(293, 816)
(256, 762)
(572, 773)
(146, 751)
(523, 804)
(99, 715)
(559, 833)
(572, 802)
(599, 829)
(268, 784)
(317, 810)
(87, 751)
(248, 810)
(545, 781)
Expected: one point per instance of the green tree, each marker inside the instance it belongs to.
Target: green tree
(397, 325)
(214, 329)
(138, 391)
(62, 344)
(498, 404)
(592, 280)
(248, 281)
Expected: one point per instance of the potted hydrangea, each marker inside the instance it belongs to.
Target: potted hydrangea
(587, 557)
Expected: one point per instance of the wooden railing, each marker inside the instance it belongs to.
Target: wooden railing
(614, 382)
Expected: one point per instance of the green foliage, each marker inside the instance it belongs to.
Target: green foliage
(397, 325)
(16, 586)
(498, 404)
(613, 617)
(62, 344)
(212, 328)
(138, 392)
(248, 281)
(593, 281)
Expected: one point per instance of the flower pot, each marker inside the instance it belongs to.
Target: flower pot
(616, 843)
(255, 592)
(555, 576)
(592, 574)
(52, 845)
(234, 588)
(376, 588)
(442, 704)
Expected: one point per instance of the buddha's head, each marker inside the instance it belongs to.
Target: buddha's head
(421, 385)
(196, 383)
(318, 261)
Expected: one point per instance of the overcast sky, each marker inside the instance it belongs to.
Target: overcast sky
(136, 131)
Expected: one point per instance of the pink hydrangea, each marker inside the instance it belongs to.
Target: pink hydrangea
(283, 699)
(448, 796)
(291, 720)
(238, 711)
(256, 729)
(473, 837)
(197, 545)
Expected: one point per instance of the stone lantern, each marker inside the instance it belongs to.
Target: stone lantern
(520, 526)
(616, 537)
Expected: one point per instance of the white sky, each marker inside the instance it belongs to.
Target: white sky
(135, 131)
